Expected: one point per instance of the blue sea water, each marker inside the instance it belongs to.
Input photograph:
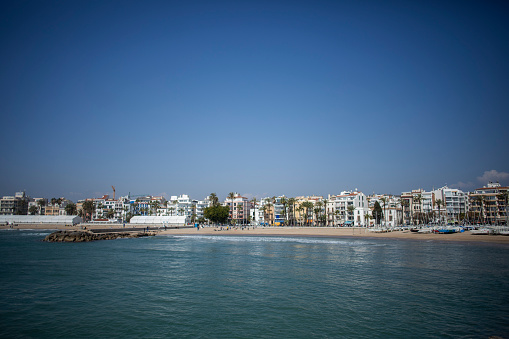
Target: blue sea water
(251, 287)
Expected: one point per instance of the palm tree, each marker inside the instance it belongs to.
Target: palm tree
(267, 206)
(70, 209)
(367, 216)
(325, 202)
(33, 210)
(172, 209)
(41, 203)
(301, 215)
(231, 196)
(307, 205)
(318, 211)
(351, 209)
(291, 205)
(384, 200)
(404, 203)
(254, 201)
(482, 202)
(418, 200)
(214, 199)
(239, 210)
(284, 202)
(439, 204)
(88, 208)
(337, 213)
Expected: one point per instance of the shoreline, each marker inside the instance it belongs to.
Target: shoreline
(343, 232)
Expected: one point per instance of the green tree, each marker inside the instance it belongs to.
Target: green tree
(267, 211)
(41, 203)
(439, 204)
(326, 219)
(70, 209)
(404, 203)
(231, 196)
(367, 217)
(291, 208)
(214, 199)
(307, 205)
(337, 213)
(351, 209)
(217, 214)
(318, 210)
(384, 201)
(239, 211)
(284, 202)
(89, 209)
(253, 202)
(377, 213)
(33, 210)
(110, 213)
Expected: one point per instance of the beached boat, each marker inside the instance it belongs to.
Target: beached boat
(444, 230)
(378, 230)
(426, 230)
(482, 231)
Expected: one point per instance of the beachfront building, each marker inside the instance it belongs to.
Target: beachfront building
(267, 210)
(37, 206)
(488, 204)
(453, 207)
(201, 205)
(412, 204)
(442, 205)
(304, 212)
(280, 210)
(183, 205)
(349, 208)
(14, 205)
(57, 206)
(239, 209)
(256, 214)
(391, 209)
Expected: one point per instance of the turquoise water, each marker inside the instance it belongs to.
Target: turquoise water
(251, 287)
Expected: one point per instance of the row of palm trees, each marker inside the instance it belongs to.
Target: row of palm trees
(309, 213)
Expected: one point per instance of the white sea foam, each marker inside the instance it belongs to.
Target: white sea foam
(301, 240)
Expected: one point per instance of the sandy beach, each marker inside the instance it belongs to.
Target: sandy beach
(286, 231)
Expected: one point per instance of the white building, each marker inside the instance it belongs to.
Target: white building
(348, 209)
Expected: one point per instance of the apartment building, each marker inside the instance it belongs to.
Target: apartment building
(239, 209)
(14, 205)
(488, 204)
(349, 208)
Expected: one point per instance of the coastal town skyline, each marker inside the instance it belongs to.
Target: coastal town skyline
(261, 98)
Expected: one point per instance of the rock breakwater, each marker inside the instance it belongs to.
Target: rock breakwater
(84, 236)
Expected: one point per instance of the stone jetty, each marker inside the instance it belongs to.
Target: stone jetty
(85, 236)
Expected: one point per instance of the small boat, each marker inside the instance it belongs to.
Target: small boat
(444, 230)
(378, 230)
(426, 230)
(482, 231)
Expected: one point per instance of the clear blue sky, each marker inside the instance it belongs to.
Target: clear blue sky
(261, 98)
